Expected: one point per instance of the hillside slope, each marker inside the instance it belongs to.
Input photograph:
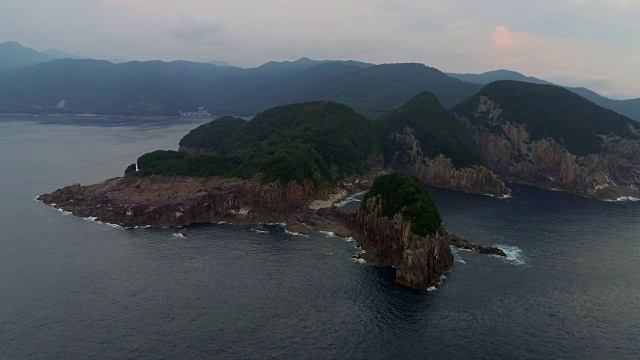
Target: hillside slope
(548, 136)
(424, 139)
(320, 142)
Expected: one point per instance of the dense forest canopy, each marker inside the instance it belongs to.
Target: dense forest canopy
(321, 141)
(403, 194)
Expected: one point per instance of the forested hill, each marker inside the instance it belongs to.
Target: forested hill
(320, 141)
(437, 130)
(160, 88)
(548, 111)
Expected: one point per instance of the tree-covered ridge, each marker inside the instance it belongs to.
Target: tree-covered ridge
(320, 141)
(216, 137)
(400, 193)
(552, 112)
(437, 130)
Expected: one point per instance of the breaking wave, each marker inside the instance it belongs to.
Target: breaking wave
(514, 254)
(624, 199)
(359, 260)
(499, 197)
(328, 233)
(295, 233)
(350, 199)
(178, 235)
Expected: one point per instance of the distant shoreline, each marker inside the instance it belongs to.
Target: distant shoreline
(133, 117)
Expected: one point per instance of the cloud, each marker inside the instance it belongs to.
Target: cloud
(577, 38)
(503, 38)
(197, 32)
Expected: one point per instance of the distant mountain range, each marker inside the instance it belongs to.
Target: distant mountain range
(161, 88)
(62, 55)
(630, 108)
(15, 56)
(38, 82)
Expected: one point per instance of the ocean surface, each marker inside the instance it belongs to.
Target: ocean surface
(71, 288)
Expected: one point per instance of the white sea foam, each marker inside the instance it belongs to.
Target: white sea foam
(276, 224)
(514, 254)
(433, 288)
(624, 199)
(178, 235)
(360, 260)
(328, 233)
(115, 226)
(64, 212)
(460, 260)
(143, 227)
(350, 199)
(260, 231)
(90, 218)
(222, 223)
(499, 197)
(347, 200)
(295, 233)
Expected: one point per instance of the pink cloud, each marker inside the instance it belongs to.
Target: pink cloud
(503, 38)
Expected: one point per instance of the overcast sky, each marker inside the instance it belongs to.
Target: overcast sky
(592, 43)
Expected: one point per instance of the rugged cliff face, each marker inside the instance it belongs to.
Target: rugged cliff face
(440, 171)
(512, 152)
(162, 201)
(419, 261)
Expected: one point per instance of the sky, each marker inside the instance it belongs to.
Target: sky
(591, 43)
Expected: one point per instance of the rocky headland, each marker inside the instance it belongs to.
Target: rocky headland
(163, 201)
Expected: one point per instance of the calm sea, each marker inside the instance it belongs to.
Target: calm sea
(77, 289)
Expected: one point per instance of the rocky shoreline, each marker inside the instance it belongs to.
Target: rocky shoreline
(177, 202)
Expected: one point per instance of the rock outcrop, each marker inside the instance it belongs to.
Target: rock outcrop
(420, 261)
(163, 201)
(511, 152)
(440, 171)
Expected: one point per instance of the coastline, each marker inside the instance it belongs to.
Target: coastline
(110, 116)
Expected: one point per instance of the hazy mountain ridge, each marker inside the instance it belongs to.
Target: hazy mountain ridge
(15, 56)
(161, 88)
(165, 88)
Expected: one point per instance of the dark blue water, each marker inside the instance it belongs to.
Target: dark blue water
(76, 289)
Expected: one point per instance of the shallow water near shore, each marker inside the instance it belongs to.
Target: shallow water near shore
(69, 288)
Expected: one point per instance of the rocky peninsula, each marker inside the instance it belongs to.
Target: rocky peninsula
(389, 237)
